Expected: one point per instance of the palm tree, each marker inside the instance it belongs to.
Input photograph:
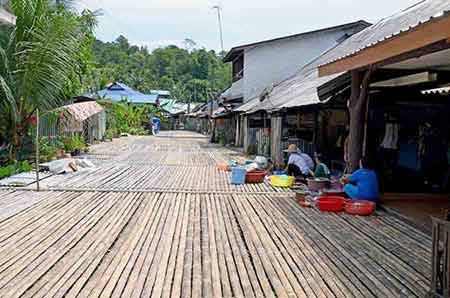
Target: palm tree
(39, 56)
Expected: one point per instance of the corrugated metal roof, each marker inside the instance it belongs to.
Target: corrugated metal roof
(387, 28)
(179, 108)
(299, 90)
(83, 110)
(167, 104)
(235, 91)
(249, 105)
(304, 92)
(302, 89)
(118, 91)
(438, 91)
(235, 51)
(160, 92)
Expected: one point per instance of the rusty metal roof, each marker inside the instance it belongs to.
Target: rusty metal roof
(83, 110)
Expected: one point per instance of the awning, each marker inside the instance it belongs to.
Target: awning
(83, 110)
(248, 106)
(423, 25)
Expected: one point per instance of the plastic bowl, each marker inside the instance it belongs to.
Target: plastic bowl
(363, 208)
(282, 181)
(335, 192)
(316, 184)
(255, 177)
(331, 204)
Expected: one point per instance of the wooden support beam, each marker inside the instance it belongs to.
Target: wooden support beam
(276, 134)
(357, 109)
(245, 132)
(422, 36)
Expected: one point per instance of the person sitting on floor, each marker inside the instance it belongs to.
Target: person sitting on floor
(362, 184)
(322, 170)
(299, 164)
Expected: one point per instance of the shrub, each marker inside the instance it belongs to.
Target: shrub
(15, 168)
(138, 131)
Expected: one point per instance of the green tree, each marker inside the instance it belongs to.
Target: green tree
(40, 60)
(190, 74)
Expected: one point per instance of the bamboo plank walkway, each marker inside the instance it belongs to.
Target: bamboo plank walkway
(182, 240)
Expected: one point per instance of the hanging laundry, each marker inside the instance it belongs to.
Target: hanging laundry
(390, 140)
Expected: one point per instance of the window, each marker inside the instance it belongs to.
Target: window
(238, 68)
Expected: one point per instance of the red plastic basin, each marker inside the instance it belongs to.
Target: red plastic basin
(331, 204)
(363, 208)
(333, 192)
(255, 177)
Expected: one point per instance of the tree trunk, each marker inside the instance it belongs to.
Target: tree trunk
(16, 142)
(357, 109)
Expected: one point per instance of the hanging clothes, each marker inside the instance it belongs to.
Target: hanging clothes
(390, 140)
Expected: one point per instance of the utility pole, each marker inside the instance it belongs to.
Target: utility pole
(219, 17)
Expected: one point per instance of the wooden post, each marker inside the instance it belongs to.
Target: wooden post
(37, 150)
(357, 106)
(316, 130)
(245, 133)
(276, 134)
(238, 130)
(366, 126)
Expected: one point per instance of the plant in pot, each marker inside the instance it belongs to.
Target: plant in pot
(78, 145)
(68, 145)
(45, 149)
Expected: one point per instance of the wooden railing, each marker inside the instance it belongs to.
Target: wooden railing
(440, 274)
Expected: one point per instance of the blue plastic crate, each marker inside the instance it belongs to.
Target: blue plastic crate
(238, 175)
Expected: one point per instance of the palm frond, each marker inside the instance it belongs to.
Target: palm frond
(39, 56)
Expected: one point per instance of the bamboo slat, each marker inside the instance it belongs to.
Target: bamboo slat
(157, 219)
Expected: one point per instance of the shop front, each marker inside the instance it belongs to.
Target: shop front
(408, 132)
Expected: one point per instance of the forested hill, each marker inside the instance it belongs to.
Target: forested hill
(190, 75)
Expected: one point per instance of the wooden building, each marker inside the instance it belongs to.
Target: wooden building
(259, 67)
(393, 64)
(87, 119)
(395, 116)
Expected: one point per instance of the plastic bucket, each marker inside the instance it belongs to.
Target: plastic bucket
(238, 176)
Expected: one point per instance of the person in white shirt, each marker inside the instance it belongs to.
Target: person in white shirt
(299, 164)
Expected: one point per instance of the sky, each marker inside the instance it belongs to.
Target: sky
(158, 23)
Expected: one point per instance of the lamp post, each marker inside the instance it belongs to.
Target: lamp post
(219, 17)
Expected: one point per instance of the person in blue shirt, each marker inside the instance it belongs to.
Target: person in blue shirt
(156, 125)
(362, 184)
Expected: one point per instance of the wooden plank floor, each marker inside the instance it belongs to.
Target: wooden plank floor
(187, 241)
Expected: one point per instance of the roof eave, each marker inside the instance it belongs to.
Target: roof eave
(435, 30)
(234, 52)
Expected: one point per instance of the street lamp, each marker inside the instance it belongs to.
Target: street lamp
(218, 8)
